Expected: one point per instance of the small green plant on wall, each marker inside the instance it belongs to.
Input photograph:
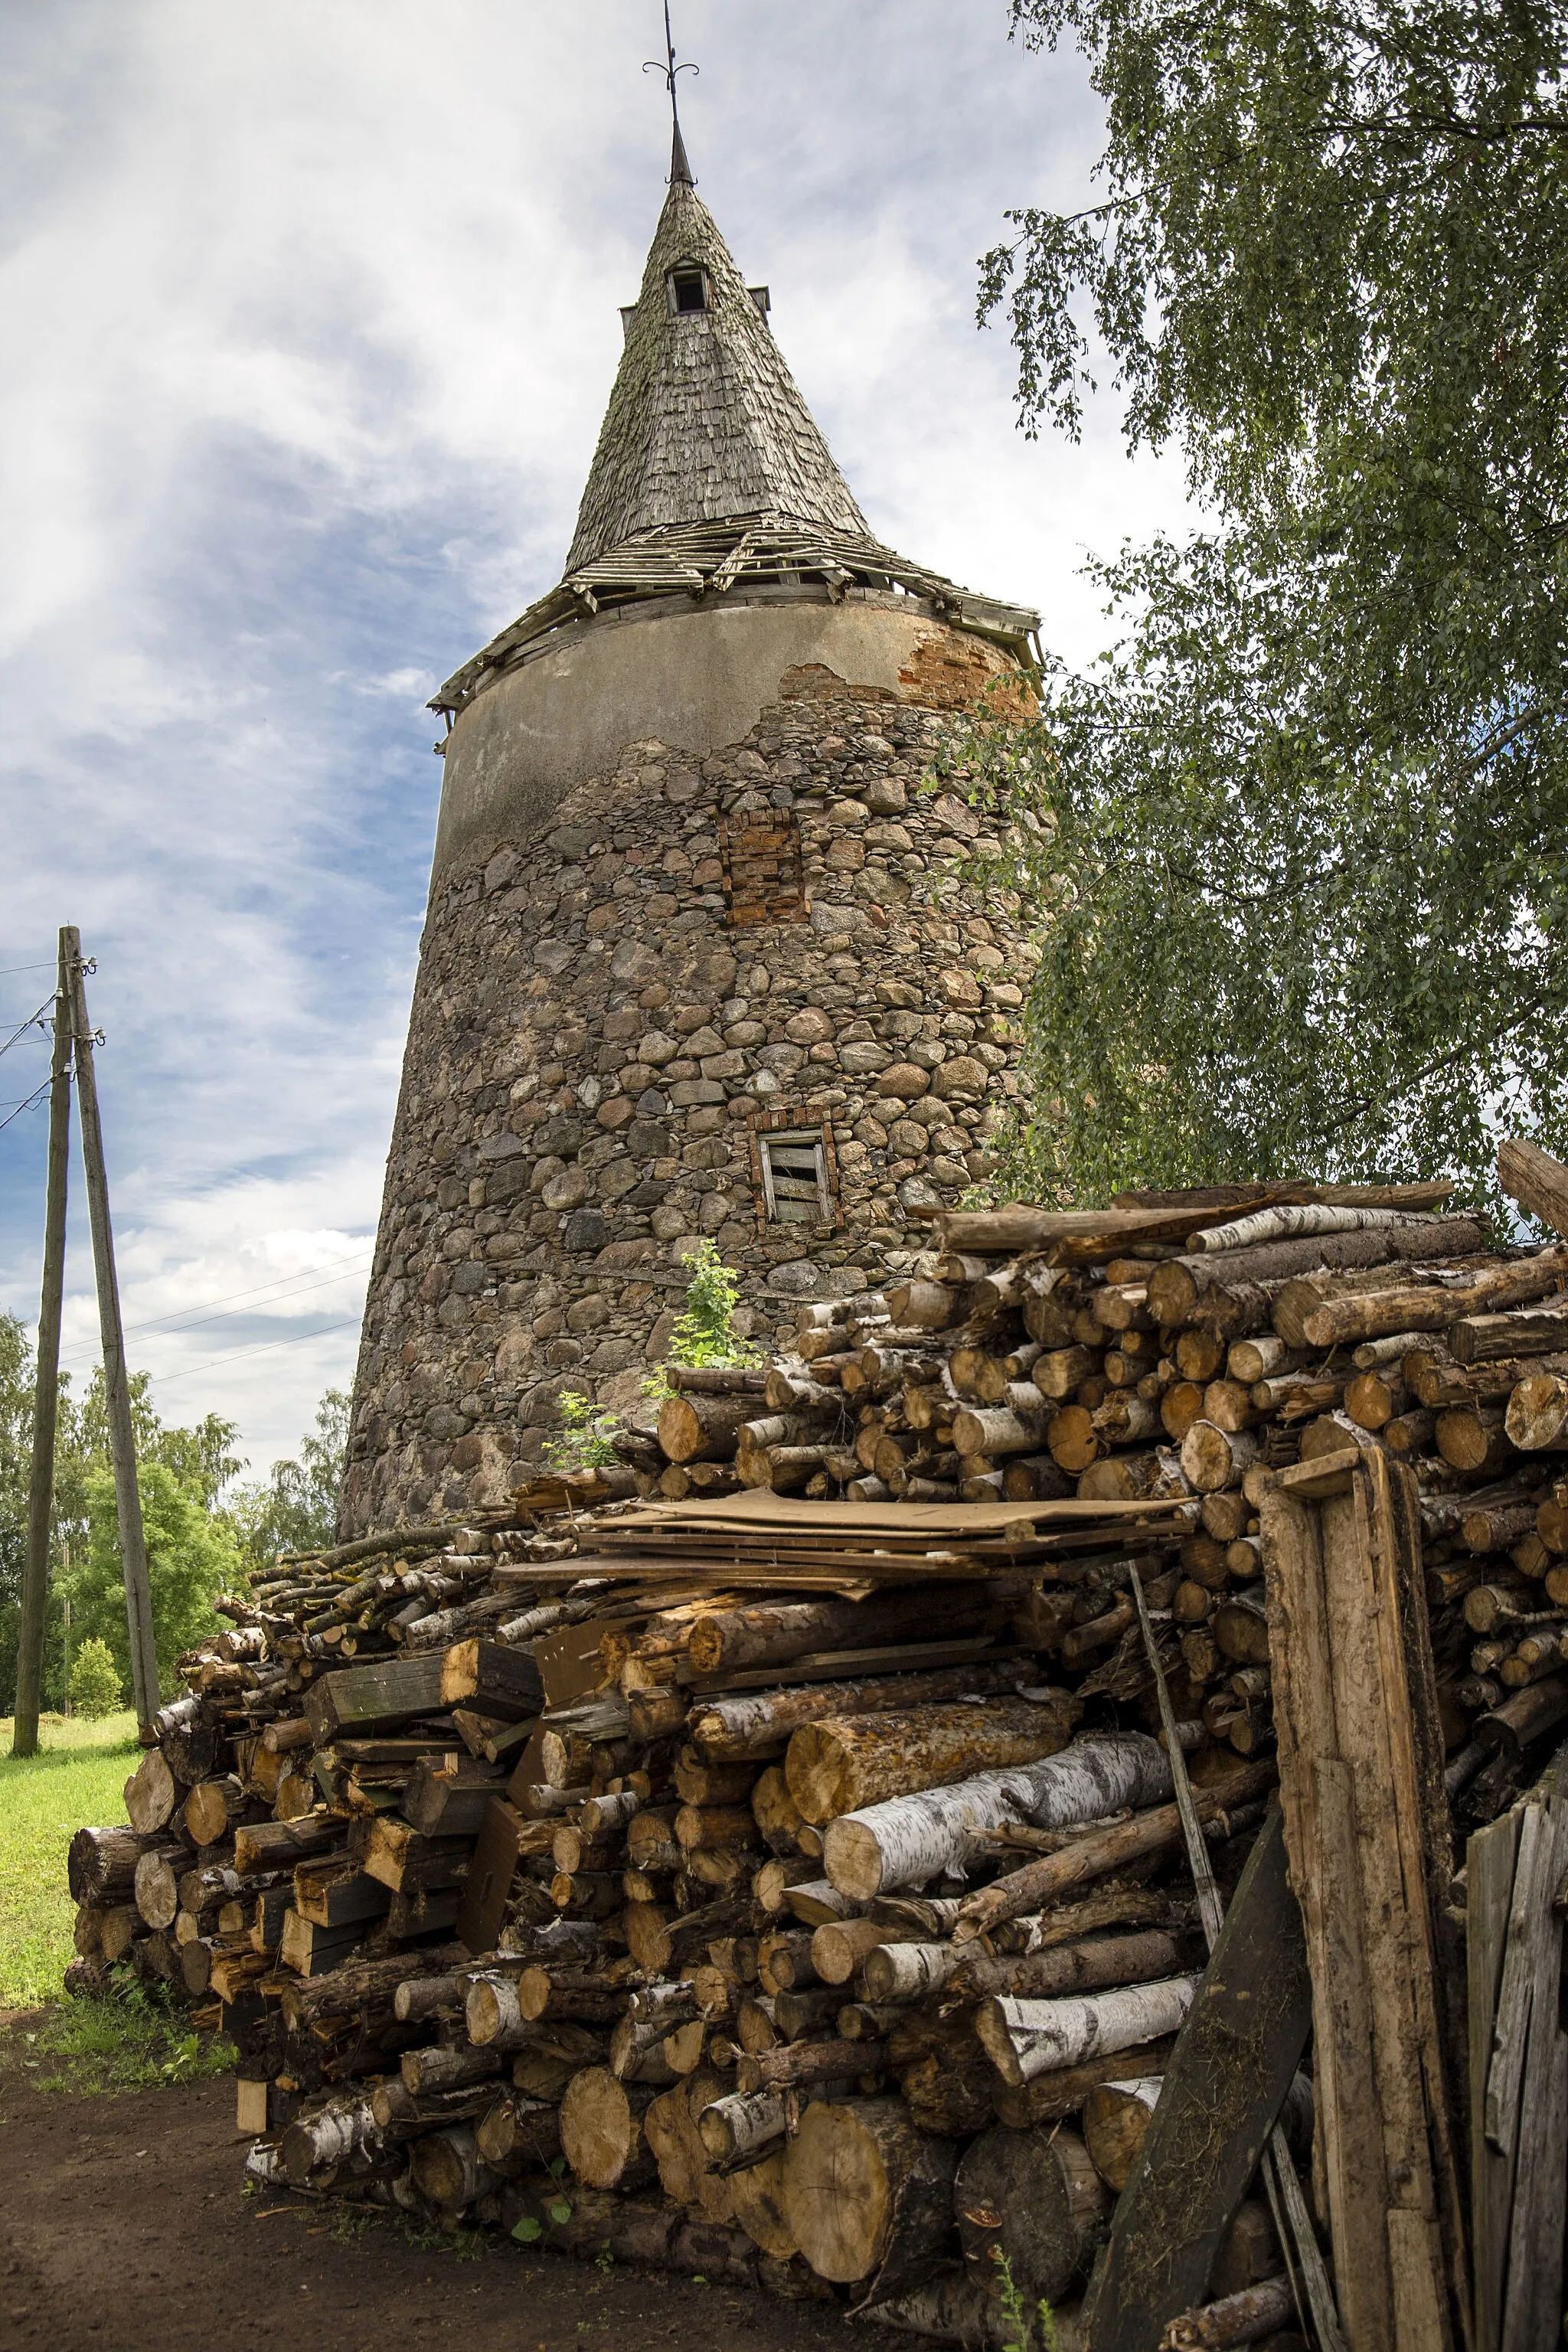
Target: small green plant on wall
(587, 1438)
(705, 1335)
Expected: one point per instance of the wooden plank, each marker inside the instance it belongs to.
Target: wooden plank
(388, 1691)
(490, 1874)
(1225, 2082)
(1534, 2297)
(1372, 1723)
(847, 1666)
(1526, 2109)
(1489, 1862)
(492, 1678)
(1536, 1180)
(568, 1664)
(1360, 1749)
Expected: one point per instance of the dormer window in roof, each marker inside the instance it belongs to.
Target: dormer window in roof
(687, 288)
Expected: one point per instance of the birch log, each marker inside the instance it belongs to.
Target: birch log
(744, 2124)
(1042, 1882)
(1026, 2038)
(909, 1840)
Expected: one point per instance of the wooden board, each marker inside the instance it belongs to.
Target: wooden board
(1523, 2117)
(1489, 1874)
(796, 1514)
(490, 1874)
(1226, 2080)
(845, 1665)
(1360, 1840)
(387, 1691)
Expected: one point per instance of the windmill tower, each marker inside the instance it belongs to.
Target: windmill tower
(695, 962)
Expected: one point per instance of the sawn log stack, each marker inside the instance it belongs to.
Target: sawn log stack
(763, 1857)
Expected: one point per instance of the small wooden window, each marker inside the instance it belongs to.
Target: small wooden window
(760, 858)
(795, 1188)
(688, 289)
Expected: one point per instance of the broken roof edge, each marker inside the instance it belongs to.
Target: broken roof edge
(705, 559)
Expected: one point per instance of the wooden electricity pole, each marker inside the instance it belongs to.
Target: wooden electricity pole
(47, 1391)
(116, 1392)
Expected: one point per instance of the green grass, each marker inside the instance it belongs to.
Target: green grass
(133, 2042)
(76, 1778)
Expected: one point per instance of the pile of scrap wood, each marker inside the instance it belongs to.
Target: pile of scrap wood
(795, 1856)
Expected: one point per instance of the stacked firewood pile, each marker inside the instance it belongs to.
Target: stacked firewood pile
(765, 1858)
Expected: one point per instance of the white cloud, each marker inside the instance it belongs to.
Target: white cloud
(321, 312)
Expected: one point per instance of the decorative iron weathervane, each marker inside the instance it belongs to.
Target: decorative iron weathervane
(668, 69)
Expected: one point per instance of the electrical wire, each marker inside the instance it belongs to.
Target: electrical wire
(224, 1296)
(12, 967)
(233, 1312)
(30, 1022)
(28, 1101)
(160, 1379)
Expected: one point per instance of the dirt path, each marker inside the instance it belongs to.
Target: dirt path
(123, 2228)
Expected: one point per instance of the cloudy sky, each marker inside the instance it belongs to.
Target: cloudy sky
(313, 315)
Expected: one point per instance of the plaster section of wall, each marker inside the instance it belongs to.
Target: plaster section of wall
(694, 680)
(591, 1047)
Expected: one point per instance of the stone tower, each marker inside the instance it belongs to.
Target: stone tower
(695, 960)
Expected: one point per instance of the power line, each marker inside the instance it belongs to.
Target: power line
(28, 1101)
(12, 967)
(162, 1379)
(151, 1330)
(31, 1022)
(225, 1297)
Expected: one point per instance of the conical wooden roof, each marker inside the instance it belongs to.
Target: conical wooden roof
(705, 422)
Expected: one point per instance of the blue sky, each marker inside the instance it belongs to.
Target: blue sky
(313, 315)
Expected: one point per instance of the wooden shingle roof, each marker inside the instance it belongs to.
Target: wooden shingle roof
(711, 474)
(705, 421)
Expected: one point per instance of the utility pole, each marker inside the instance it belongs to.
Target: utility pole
(116, 1391)
(46, 1387)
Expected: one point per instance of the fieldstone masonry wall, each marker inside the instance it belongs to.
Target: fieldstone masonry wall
(593, 1044)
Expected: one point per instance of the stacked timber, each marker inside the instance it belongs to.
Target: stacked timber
(767, 1860)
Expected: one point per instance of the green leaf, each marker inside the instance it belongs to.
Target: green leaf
(527, 2231)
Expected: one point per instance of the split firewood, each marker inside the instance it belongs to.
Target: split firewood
(783, 1885)
(152, 1794)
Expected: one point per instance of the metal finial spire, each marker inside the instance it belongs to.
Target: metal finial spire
(680, 169)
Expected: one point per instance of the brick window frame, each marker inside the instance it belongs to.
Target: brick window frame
(794, 1130)
(764, 879)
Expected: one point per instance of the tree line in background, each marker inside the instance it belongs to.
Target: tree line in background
(206, 1527)
(1300, 838)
